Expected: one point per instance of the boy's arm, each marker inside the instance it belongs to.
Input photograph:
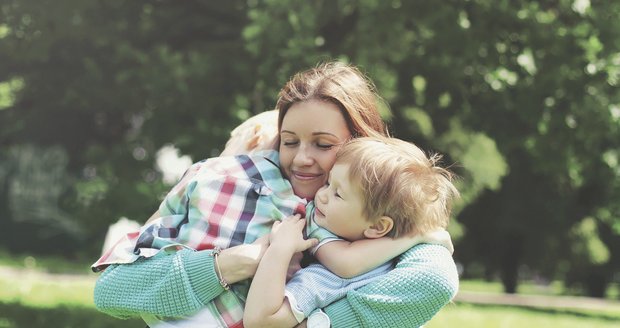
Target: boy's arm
(349, 259)
(265, 305)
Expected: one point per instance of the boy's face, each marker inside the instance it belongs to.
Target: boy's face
(339, 205)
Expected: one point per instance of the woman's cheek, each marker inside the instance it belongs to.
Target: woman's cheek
(328, 161)
(285, 162)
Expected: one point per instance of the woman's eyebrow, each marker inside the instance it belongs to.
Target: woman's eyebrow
(324, 133)
(320, 133)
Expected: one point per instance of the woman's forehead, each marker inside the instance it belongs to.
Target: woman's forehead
(315, 118)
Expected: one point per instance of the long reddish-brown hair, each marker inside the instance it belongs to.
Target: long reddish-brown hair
(342, 85)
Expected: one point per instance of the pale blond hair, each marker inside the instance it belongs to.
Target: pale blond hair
(398, 180)
(257, 133)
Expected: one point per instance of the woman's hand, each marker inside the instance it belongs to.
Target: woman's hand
(438, 237)
(240, 262)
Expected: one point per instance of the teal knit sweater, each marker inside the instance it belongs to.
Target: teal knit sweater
(424, 280)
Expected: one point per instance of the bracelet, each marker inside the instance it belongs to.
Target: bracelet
(218, 272)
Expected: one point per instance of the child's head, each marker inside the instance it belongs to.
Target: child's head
(254, 134)
(397, 180)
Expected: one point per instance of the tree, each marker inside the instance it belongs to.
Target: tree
(521, 95)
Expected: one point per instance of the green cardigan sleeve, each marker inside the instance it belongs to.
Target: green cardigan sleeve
(167, 284)
(424, 280)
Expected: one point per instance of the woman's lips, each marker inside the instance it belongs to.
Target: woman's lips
(305, 176)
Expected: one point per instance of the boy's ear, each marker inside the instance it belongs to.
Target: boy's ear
(380, 228)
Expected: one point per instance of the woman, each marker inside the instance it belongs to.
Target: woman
(319, 109)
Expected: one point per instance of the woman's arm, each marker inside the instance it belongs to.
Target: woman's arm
(174, 284)
(424, 280)
(349, 259)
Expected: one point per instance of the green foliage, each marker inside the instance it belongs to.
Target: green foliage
(522, 96)
(483, 164)
(587, 246)
(8, 91)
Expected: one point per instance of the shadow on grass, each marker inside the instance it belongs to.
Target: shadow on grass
(583, 314)
(16, 315)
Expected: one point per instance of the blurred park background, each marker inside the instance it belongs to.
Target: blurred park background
(104, 103)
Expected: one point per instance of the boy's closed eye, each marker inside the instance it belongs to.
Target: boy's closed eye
(337, 194)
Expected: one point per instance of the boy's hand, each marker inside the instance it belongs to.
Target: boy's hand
(289, 234)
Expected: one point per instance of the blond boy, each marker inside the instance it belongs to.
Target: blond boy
(381, 190)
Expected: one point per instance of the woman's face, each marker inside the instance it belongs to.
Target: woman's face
(312, 132)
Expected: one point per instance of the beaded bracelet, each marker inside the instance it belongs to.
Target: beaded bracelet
(218, 272)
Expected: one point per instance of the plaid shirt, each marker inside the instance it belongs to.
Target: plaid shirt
(224, 202)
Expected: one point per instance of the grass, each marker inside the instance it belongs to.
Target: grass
(484, 316)
(51, 264)
(555, 288)
(31, 288)
(30, 298)
(17, 315)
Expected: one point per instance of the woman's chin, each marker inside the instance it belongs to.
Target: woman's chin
(305, 192)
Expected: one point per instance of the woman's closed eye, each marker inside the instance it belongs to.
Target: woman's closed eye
(290, 143)
(324, 146)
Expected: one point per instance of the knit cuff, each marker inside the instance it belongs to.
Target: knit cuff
(341, 314)
(201, 272)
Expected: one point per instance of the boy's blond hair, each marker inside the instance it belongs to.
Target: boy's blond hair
(398, 180)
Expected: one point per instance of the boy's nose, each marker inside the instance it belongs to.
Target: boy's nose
(320, 195)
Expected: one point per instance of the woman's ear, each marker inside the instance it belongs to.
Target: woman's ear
(380, 228)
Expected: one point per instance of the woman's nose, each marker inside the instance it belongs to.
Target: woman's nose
(303, 157)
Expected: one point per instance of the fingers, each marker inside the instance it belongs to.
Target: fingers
(253, 142)
(288, 233)
(294, 217)
(311, 243)
(443, 238)
(262, 240)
